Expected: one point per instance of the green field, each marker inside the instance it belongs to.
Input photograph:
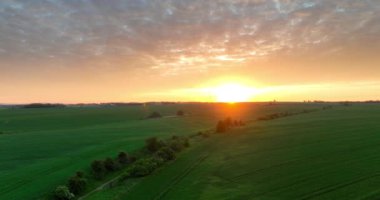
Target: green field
(331, 154)
(328, 154)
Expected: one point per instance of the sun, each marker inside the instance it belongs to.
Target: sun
(232, 93)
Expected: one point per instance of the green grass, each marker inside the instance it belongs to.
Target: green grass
(42, 148)
(331, 154)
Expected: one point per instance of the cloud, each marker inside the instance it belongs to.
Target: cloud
(178, 36)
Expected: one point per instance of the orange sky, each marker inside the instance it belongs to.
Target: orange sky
(120, 51)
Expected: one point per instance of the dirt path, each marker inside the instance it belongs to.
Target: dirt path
(101, 187)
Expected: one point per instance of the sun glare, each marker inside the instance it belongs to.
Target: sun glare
(232, 93)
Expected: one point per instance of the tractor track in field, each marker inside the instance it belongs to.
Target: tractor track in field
(182, 175)
(292, 184)
(328, 189)
(299, 160)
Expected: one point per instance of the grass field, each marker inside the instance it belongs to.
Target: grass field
(328, 154)
(41, 148)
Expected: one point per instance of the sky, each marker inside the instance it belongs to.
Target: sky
(73, 51)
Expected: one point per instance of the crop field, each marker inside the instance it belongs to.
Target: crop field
(41, 148)
(327, 154)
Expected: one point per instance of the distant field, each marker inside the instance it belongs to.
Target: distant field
(330, 154)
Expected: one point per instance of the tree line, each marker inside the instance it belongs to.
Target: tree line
(154, 154)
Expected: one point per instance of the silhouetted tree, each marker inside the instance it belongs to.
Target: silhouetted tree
(228, 122)
(221, 127)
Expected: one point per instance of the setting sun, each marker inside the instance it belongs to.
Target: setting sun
(232, 93)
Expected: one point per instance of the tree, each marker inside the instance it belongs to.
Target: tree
(144, 167)
(63, 193)
(221, 127)
(110, 164)
(77, 184)
(123, 158)
(180, 113)
(228, 122)
(176, 145)
(98, 169)
(79, 174)
(153, 144)
(166, 154)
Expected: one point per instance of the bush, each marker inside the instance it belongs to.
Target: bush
(144, 167)
(110, 165)
(79, 174)
(124, 176)
(176, 145)
(77, 184)
(174, 137)
(98, 169)
(132, 159)
(123, 158)
(205, 135)
(153, 144)
(166, 154)
(155, 115)
(63, 193)
(186, 142)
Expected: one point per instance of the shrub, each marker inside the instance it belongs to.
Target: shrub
(110, 165)
(144, 167)
(79, 174)
(155, 115)
(174, 137)
(63, 193)
(132, 159)
(124, 176)
(186, 142)
(123, 158)
(176, 145)
(205, 135)
(166, 154)
(77, 184)
(153, 144)
(98, 169)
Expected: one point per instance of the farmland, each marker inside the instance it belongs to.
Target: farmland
(331, 154)
(327, 154)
